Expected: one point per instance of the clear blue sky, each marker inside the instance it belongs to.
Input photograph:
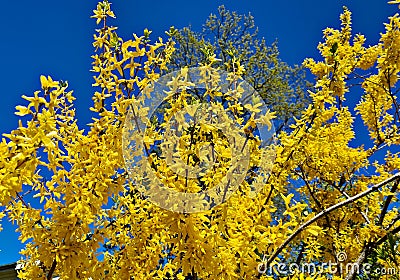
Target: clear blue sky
(54, 38)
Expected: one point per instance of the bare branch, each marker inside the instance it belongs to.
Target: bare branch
(328, 210)
(387, 202)
(53, 267)
(359, 261)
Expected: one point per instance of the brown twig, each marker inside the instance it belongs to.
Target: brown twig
(52, 269)
(387, 202)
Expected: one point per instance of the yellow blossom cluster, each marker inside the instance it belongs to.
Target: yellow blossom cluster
(84, 213)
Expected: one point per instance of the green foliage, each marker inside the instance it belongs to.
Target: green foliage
(233, 37)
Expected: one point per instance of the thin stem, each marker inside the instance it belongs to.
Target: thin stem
(328, 210)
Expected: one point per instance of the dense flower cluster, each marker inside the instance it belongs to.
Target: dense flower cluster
(81, 217)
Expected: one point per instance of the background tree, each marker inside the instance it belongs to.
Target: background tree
(231, 36)
(70, 194)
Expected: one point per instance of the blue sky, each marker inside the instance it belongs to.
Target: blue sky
(54, 38)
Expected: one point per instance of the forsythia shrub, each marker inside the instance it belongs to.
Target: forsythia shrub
(82, 217)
